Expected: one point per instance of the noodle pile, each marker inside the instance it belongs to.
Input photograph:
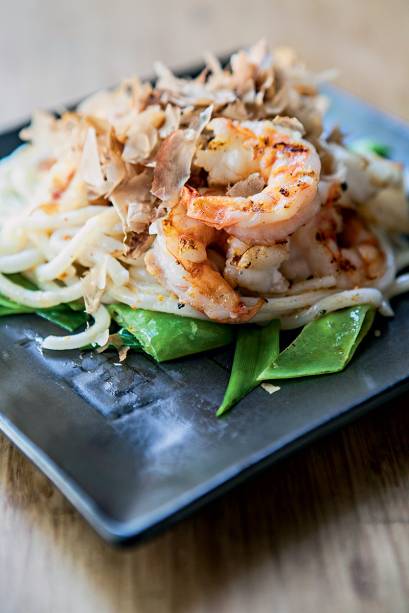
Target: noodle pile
(79, 203)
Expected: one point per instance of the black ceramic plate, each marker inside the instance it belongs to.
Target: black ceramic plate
(137, 446)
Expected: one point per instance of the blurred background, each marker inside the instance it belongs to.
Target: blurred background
(53, 52)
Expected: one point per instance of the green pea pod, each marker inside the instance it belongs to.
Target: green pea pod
(64, 317)
(122, 338)
(165, 336)
(325, 345)
(129, 340)
(366, 145)
(256, 347)
(8, 307)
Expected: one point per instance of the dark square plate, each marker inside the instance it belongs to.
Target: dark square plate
(136, 447)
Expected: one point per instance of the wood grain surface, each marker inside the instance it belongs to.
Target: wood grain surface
(325, 530)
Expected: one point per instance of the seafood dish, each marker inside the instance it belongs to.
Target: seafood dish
(190, 214)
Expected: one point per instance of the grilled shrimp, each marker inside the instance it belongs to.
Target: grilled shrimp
(288, 165)
(335, 242)
(180, 261)
(256, 268)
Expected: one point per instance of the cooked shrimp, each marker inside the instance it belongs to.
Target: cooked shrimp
(289, 165)
(365, 175)
(335, 242)
(180, 262)
(256, 268)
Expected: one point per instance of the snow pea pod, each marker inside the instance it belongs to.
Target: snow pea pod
(256, 347)
(165, 336)
(64, 317)
(325, 345)
(129, 340)
(8, 307)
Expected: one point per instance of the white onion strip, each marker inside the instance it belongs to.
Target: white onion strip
(91, 335)
(39, 299)
(94, 226)
(18, 262)
(335, 302)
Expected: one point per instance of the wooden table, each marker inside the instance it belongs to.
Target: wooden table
(326, 530)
